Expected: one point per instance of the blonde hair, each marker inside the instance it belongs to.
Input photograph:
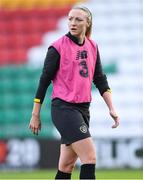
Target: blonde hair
(89, 17)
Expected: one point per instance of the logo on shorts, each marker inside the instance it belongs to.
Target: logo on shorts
(83, 129)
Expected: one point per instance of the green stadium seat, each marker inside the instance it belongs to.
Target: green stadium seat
(17, 90)
(110, 68)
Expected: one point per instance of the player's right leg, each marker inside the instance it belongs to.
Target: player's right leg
(66, 162)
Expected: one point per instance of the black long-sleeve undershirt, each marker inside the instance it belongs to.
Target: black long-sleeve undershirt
(99, 78)
(51, 65)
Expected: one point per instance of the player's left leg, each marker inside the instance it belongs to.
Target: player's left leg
(66, 162)
(86, 152)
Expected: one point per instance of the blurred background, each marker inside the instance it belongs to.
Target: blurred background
(27, 27)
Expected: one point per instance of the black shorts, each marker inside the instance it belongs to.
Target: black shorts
(71, 120)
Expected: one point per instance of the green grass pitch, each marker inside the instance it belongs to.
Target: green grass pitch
(49, 174)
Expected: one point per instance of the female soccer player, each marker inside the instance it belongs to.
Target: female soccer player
(72, 63)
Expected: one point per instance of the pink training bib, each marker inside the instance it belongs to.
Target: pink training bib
(73, 80)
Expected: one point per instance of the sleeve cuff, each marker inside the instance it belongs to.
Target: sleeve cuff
(105, 90)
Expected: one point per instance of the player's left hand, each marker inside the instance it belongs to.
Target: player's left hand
(115, 117)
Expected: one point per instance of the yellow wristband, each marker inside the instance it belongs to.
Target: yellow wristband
(37, 100)
(109, 90)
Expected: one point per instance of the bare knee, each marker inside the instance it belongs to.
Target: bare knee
(67, 159)
(67, 166)
(85, 150)
(88, 159)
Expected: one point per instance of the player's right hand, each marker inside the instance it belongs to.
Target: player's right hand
(35, 124)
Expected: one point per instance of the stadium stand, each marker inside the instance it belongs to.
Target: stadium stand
(26, 4)
(22, 24)
(19, 32)
(16, 93)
